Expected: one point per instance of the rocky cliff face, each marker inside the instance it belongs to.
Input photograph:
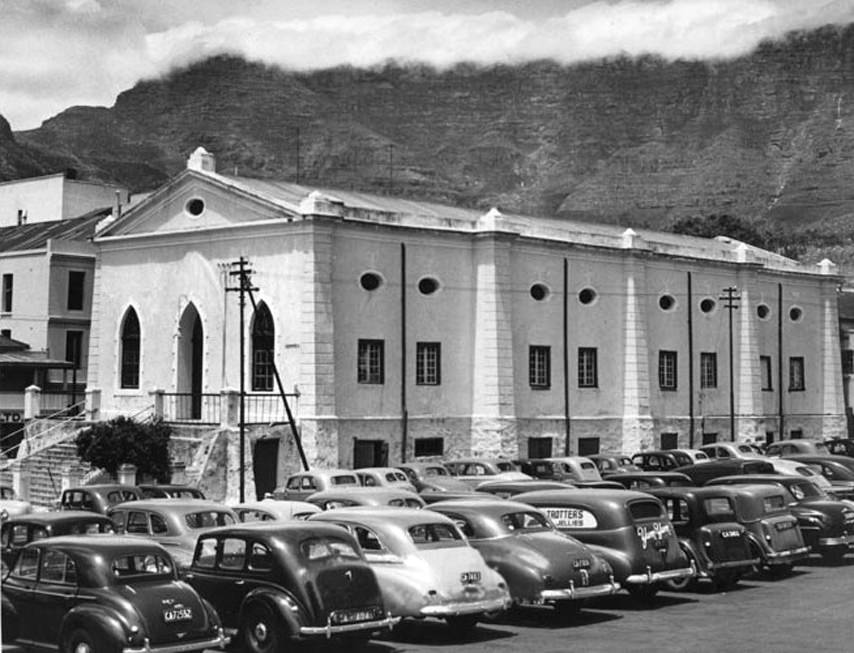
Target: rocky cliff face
(768, 137)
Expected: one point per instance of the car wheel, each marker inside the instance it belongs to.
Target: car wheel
(463, 624)
(567, 609)
(262, 630)
(643, 593)
(680, 584)
(82, 641)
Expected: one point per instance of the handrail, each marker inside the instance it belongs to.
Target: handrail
(7, 462)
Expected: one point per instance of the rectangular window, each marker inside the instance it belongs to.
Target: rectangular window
(667, 370)
(710, 438)
(429, 447)
(74, 347)
(848, 361)
(75, 290)
(539, 366)
(588, 374)
(7, 293)
(428, 363)
(765, 371)
(708, 370)
(669, 441)
(262, 370)
(371, 361)
(796, 373)
(796, 434)
(588, 446)
(540, 447)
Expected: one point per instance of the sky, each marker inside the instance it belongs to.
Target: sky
(55, 54)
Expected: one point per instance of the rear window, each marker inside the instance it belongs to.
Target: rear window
(119, 496)
(571, 517)
(91, 528)
(142, 566)
(626, 461)
(774, 503)
(435, 535)
(645, 510)
(701, 456)
(718, 506)
(523, 521)
(804, 490)
(345, 479)
(436, 471)
(316, 549)
(743, 448)
(208, 519)
(821, 447)
(505, 467)
(588, 466)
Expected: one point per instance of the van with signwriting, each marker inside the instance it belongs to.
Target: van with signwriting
(629, 529)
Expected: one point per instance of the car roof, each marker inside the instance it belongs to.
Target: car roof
(332, 471)
(274, 529)
(584, 496)
(668, 473)
(276, 506)
(103, 487)
(783, 479)
(171, 505)
(107, 543)
(380, 516)
(55, 517)
(818, 456)
(380, 470)
(375, 491)
(697, 492)
(493, 508)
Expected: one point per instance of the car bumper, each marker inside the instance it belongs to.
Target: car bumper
(466, 607)
(660, 576)
(574, 593)
(220, 641)
(787, 556)
(329, 629)
(845, 540)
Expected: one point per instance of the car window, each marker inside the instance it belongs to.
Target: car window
(435, 471)
(158, 524)
(653, 462)
(368, 481)
(118, 496)
(701, 456)
(804, 490)
(723, 453)
(645, 509)
(206, 553)
(719, 506)
(315, 549)
(505, 466)
(27, 564)
(773, 503)
(345, 479)
(233, 553)
(208, 519)
(682, 459)
(141, 566)
(462, 523)
(743, 448)
(435, 534)
(368, 540)
(588, 466)
(293, 483)
(90, 528)
(58, 568)
(260, 557)
(118, 518)
(677, 511)
(412, 503)
(308, 483)
(571, 517)
(19, 534)
(820, 447)
(525, 521)
(137, 523)
(391, 478)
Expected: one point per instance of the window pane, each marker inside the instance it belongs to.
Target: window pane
(708, 370)
(765, 370)
(428, 363)
(667, 370)
(539, 366)
(796, 373)
(130, 351)
(7, 293)
(587, 364)
(370, 363)
(263, 338)
(76, 281)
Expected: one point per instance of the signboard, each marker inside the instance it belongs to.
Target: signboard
(571, 517)
(11, 416)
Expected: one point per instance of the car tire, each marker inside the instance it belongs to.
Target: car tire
(643, 593)
(463, 624)
(262, 630)
(81, 640)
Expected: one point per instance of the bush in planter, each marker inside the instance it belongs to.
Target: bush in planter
(122, 440)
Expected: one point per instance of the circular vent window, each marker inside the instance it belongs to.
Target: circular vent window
(539, 291)
(795, 314)
(763, 311)
(370, 281)
(428, 285)
(587, 296)
(707, 305)
(667, 302)
(195, 207)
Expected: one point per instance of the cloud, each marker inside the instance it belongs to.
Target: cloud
(56, 53)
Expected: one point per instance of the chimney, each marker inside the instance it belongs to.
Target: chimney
(117, 205)
(22, 217)
(201, 160)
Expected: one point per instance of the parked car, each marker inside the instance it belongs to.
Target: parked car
(827, 525)
(577, 470)
(72, 593)
(690, 456)
(708, 530)
(840, 447)
(839, 470)
(507, 489)
(14, 508)
(424, 565)
(613, 463)
(474, 471)
(98, 498)
(384, 477)
(702, 473)
(645, 480)
(168, 491)
(655, 461)
(540, 564)
(798, 445)
(275, 582)
(795, 468)
(629, 529)
(300, 485)
(174, 523)
(366, 496)
(272, 510)
(19, 531)
(432, 477)
(721, 450)
(7, 492)
(473, 495)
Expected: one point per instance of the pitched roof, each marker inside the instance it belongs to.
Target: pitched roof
(36, 234)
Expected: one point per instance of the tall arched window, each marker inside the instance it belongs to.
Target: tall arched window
(130, 350)
(262, 349)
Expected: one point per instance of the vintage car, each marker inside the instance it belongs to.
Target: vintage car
(577, 470)
(541, 565)
(432, 477)
(7, 492)
(838, 470)
(798, 445)
(690, 456)
(613, 463)
(795, 468)
(97, 498)
(644, 480)
(300, 485)
(702, 473)
(430, 497)
(840, 447)
(174, 523)
(384, 477)
(366, 496)
(474, 471)
(709, 532)
(827, 524)
(14, 508)
(104, 594)
(629, 529)
(272, 510)
(506, 489)
(274, 582)
(19, 531)
(168, 491)
(425, 566)
(722, 450)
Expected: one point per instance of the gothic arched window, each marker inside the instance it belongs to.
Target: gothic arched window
(262, 349)
(130, 350)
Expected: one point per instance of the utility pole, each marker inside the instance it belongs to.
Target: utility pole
(244, 286)
(731, 303)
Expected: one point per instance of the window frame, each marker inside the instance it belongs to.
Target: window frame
(263, 337)
(540, 367)
(428, 363)
(76, 291)
(708, 369)
(370, 361)
(588, 367)
(668, 365)
(766, 372)
(797, 380)
(130, 358)
(7, 292)
(74, 351)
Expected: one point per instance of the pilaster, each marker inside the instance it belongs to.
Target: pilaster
(637, 420)
(749, 407)
(834, 424)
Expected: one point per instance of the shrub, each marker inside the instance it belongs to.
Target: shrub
(122, 440)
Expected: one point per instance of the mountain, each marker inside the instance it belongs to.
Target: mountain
(768, 137)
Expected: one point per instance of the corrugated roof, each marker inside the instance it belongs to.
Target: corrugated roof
(36, 235)
(31, 359)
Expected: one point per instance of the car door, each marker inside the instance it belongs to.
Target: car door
(55, 593)
(18, 587)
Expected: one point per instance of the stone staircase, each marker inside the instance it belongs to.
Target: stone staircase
(45, 469)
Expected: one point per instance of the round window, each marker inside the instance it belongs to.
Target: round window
(795, 314)
(707, 305)
(370, 281)
(587, 296)
(667, 302)
(428, 285)
(539, 291)
(763, 311)
(195, 207)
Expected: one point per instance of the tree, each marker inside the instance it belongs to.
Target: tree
(122, 440)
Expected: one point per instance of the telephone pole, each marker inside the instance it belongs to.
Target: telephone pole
(731, 303)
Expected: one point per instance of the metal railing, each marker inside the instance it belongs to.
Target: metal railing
(61, 404)
(198, 408)
(267, 408)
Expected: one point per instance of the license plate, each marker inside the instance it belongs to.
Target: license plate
(728, 534)
(355, 616)
(784, 526)
(468, 577)
(176, 614)
(582, 563)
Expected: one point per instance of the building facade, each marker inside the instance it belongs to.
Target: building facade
(412, 329)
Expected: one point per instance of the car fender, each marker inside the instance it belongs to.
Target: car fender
(9, 619)
(694, 553)
(761, 546)
(96, 619)
(620, 562)
(283, 603)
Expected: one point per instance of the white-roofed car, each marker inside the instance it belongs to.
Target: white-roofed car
(273, 510)
(298, 486)
(384, 477)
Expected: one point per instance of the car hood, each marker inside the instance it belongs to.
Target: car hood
(169, 610)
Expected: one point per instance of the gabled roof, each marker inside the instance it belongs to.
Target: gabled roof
(36, 235)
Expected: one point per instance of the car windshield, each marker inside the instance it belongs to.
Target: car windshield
(805, 490)
(316, 549)
(208, 519)
(525, 521)
(345, 479)
(435, 471)
(141, 566)
(435, 535)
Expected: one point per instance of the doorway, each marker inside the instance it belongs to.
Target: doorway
(370, 453)
(265, 461)
(190, 361)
